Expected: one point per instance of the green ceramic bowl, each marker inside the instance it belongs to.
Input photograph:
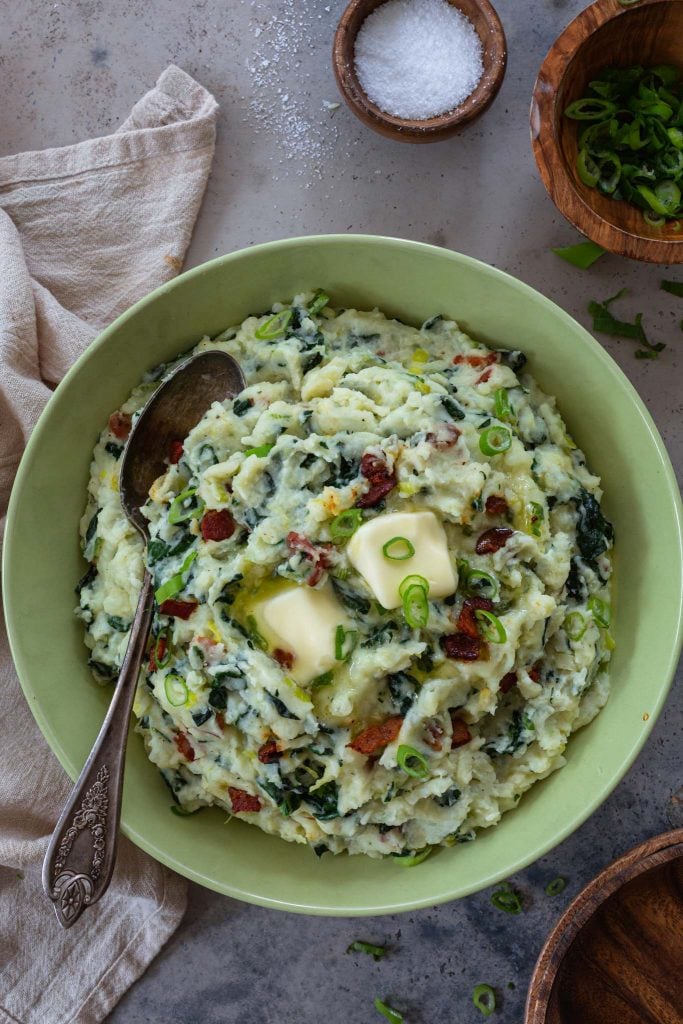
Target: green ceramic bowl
(411, 281)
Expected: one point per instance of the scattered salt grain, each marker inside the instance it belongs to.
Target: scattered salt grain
(418, 58)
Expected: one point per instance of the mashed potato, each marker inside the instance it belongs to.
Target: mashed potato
(381, 578)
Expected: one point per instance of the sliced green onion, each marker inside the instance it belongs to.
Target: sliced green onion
(255, 635)
(411, 860)
(600, 611)
(165, 660)
(346, 523)
(655, 220)
(481, 584)
(275, 327)
(501, 406)
(507, 900)
(484, 998)
(416, 607)
(412, 762)
(261, 451)
(673, 287)
(345, 641)
(398, 549)
(183, 508)
(376, 952)
(176, 690)
(495, 440)
(176, 583)
(575, 625)
(555, 887)
(490, 626)
(322, 680)
(583, 255)
(590, 109)
(589, 171)
(413, 581)
(535, 515)
(318, 302)
(393, 1016)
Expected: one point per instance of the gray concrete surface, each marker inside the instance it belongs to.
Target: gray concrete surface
(287, 165)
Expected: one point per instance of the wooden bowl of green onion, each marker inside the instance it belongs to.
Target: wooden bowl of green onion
(607, 126)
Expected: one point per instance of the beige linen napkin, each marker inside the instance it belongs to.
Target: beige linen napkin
(84, 232)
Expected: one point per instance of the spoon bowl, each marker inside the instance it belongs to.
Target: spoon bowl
(81, 855)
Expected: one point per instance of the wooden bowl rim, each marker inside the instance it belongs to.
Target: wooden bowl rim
(431, 129)
(566, 198)
(652, 853)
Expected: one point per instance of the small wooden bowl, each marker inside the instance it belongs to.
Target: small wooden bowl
(489, 29)
(616, 954)
(651, 32)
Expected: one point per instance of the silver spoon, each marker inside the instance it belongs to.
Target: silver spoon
(80, 858)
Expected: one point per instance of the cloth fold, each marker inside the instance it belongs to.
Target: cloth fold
(85, 231)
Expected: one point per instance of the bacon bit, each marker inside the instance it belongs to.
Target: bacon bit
(461, 734)
(158, 650)
(434, 732)
(507, 682)
(175, 452)
(217, 524)
(467, 620)
(496, 505)
(462, 647)
(178, 609)
(220, 719)
(319, 556)
(485, 377)
(120, 424)
(185, 748)
(376, 493)
(269, 752)
(243, 802)
(376, 736)
(493, 540)
(283, 658)
(486, 360)
(535, 672)
(374, 468)
(447, 437)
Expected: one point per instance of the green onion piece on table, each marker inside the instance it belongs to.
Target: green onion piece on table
(606, 323)
(398, 549)
(501, 406)
(318, 302)
(393, 1016)
(176, 690)
(495, 440)
(412, 762)
(415, 606)
(490, 626)
(260, 452)
(484, 998)
(376, 952)
(506, 899)
(555, 887)
(275, 327)
(185, 506)
(176, 583)
(411, 860)
(673, 287)
(346, 523)
(345, 641)
(575, 625)
(600, 611)
(583, 255)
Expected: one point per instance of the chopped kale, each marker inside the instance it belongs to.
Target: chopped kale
(199, 717)
(117, 623)
(308, 461)
(348, 471)
(576, 584)
(228, 593)
(319, 849)
(281, 707)
(241, 405)
(156, 550)
(432, 322)
(105, 671)
(287, 798)
(356, 602)
(403, 689)
(455, 411)
(384, 635)
(426, 660)
(448, 798)
(593, 531)
(92, 527)
(85, 581)
(324, 801)
(315, 359)
(514, 359)
(114, 449)
(218, 698)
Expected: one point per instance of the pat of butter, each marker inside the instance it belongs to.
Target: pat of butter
(384, 575)
(304, 621)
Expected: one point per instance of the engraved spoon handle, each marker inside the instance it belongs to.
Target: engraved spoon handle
(80, 859)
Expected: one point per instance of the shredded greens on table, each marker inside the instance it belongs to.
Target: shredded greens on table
(393, 1016)
(484, 998)
(507, 899)
(631, 145)
(605, 322)
(555, 887)
(376, 952)
(673, 288)
(583, 255)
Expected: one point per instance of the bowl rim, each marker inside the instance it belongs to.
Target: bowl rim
(448, 891)
(637, 861)
(432, 129)
(557, 181)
